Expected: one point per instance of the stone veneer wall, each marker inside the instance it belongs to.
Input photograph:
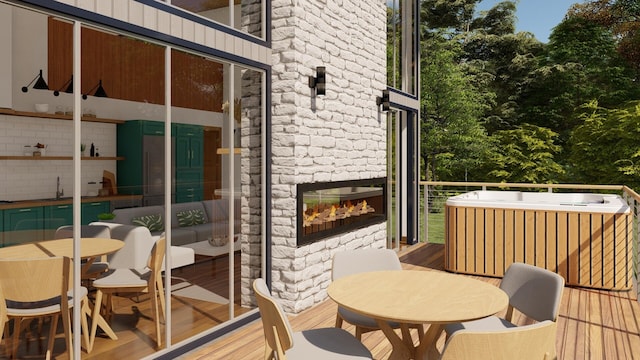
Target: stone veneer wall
(339, 136)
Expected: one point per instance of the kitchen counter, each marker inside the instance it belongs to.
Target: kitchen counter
(65, 200)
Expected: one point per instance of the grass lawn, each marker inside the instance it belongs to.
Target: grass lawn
(436, 228)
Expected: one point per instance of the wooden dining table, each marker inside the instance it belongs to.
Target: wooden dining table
(416, 297)
(90, 249)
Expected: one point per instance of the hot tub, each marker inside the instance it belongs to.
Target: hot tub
(586, 238)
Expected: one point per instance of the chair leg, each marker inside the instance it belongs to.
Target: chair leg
(359, 333)
(52, 334)
(84, 313)
(94, 323)
(66, 324)
(160, 287)
(338, 320)
(17, 322)
(156, 315)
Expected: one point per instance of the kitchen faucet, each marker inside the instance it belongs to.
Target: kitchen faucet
(59, 193)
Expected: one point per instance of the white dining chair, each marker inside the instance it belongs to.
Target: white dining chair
(533, 291)
(315, 344)
(147, 280)
(364, 260)
(88, 231)
(529, 342)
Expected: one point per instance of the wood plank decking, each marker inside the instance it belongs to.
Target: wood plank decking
(593, 324)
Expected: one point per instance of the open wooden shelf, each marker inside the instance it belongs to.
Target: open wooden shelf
(58, 116)
(60, 158)
(225, 151)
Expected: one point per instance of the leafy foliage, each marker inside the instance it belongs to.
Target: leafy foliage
(605, 148)
(524, 154)
(502, 106)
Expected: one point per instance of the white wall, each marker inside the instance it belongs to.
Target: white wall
(36, 179)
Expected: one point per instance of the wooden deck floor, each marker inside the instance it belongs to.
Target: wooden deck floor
(592, 324)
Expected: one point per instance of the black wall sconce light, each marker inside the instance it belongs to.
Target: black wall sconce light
(320, 81)
(384, 100)
(99, 92)
(40, 84)
(68, 86)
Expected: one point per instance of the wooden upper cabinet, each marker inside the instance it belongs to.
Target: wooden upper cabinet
(132, 69)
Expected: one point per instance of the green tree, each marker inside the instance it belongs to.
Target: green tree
(453, 140)
(455, 15)
(502, 59)
(622, 17)
(605, 148)
(524, 154)
(580, 64)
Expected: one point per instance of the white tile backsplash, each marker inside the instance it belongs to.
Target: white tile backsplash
(36, 179)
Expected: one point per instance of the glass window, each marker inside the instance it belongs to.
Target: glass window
(401, 46)
(243, 15)
(142, 169)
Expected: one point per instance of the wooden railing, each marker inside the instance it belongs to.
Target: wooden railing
(434, 194)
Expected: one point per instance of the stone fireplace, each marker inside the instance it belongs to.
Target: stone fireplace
(330, 208)
(338, 140)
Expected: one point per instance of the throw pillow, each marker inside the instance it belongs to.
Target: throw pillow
(152, 222)
(190, 217)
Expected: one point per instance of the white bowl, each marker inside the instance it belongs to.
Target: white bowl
(42, 108)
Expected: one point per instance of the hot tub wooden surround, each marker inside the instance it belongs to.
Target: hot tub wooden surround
(589, 249)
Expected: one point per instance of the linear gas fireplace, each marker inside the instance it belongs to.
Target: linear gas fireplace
(330, 208)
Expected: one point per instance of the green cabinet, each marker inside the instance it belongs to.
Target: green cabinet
(23, 225)
(189, 147)
(36, 223)
(90, 211)
(189, 162)
(58, 215)
(189, 186)
(141, 143)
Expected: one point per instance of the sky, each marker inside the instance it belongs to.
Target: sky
(536, 16)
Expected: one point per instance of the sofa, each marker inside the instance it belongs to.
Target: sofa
(138, 243)
(191, 222)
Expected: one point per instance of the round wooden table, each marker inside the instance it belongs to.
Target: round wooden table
(412, 297)
(90, 248)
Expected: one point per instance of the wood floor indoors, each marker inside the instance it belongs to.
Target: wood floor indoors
(593, 324)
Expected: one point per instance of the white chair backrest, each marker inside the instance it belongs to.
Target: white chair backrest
(138, 243)
(534, 291)
(530, 342)
(86, 231)
(364, 260)
(273, 318)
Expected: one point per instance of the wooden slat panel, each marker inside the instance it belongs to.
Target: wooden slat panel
(584, 227)
(608, 258)
(573, 230)
(132, 69)
(490, 238)
(479, 242)
(562, 239)
(540, 240)
(509, 231)
(519, 242)
(596, 249)
(469, 235)
(551, 241)
(500, 248)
